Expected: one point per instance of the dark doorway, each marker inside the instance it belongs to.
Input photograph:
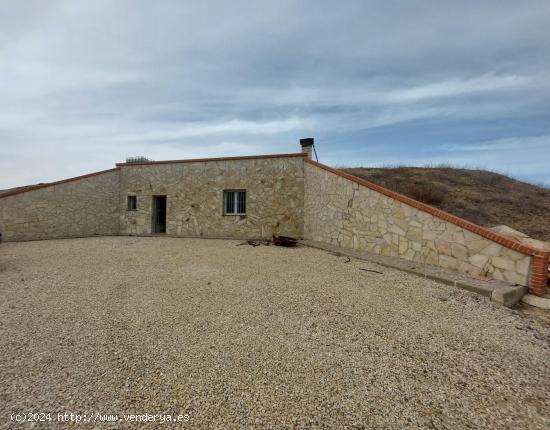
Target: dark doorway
(159, 214)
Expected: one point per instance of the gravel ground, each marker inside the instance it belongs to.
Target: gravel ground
(264, 337)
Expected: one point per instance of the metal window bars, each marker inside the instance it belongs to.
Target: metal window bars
(235, 202)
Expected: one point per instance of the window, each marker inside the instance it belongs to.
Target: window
(234, 202)
(132, 203)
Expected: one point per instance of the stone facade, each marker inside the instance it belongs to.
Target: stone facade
(194, 193)
(344, 213)
(286, 194)
(81, 207)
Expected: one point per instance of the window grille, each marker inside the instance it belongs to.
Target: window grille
(234, 202)
(132, 203)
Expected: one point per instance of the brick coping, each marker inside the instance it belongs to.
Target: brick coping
(539, 267)
(461, 222)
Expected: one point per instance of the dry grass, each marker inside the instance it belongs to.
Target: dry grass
(483, 197)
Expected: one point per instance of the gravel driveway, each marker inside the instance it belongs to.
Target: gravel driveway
(256, 337)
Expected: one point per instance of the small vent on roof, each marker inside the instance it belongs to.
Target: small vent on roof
(139, 159)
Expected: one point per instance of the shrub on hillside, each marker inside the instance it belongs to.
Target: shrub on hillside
(426, 192)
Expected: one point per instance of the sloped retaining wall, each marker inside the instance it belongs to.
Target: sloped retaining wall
(77, 207)
(343, 210)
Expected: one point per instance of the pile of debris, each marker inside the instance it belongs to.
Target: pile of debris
(277, 241)
(284, 241)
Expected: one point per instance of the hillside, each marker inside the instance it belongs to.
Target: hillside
(485, 198)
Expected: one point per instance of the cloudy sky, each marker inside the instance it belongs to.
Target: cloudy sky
(84, 84)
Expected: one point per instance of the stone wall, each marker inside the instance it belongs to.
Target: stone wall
(194, 190)
(74, 208)
(342, 212)
(286, 194)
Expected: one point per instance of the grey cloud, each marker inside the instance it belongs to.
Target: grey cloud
(101, 80)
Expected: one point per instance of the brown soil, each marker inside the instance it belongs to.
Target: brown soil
(485, 198)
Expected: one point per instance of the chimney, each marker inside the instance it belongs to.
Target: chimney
(307, 146)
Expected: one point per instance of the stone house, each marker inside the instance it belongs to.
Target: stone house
(258, 196)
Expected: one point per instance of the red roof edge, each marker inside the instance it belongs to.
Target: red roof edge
(204, 160)
(51, 184)
(467, 225)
